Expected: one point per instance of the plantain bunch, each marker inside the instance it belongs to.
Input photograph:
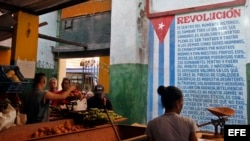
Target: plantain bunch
(99, 115)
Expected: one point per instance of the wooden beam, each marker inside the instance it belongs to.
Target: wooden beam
(6, 29)
(85, 46)
(79, 54)
(36, 10)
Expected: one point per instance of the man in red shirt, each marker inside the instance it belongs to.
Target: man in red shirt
(65, 85)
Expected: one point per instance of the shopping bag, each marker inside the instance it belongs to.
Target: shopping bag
(21, 118)
(7, 117)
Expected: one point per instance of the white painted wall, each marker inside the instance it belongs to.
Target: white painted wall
(45, 55)
(6, 43)
(126, 38)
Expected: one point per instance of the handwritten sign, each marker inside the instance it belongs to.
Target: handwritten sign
(210, 64)
(156, 8)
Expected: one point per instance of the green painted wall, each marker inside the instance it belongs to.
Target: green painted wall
(128, 91)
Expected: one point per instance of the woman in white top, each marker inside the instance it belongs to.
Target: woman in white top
(171, 126)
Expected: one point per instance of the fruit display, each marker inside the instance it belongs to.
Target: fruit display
(67, 127)
(11, 74)
(74, 95)
(11, 79)
(95, 116)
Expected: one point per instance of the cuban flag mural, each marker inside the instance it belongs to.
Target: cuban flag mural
(205, 55)
(161, 54)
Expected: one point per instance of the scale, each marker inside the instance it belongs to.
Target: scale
(70, 105)
(222, 113)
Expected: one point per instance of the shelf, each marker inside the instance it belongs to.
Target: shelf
(4, 47)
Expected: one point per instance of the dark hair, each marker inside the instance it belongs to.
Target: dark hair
(169, 95)
(99, 87)
(66, 79)
(38, 77)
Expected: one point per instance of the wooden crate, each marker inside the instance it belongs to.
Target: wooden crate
(99, 133)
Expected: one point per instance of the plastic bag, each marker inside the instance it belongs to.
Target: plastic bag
(7, 117)
(81, 105)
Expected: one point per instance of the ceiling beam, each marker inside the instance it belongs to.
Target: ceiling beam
(7, 20)
(7, 29)
(79, 53)
(60, 6)
(13, 8)
(5, 33)
(85, 46)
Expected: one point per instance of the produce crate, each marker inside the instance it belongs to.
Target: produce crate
(94, 117)
(12, 87)
(99, 133)
(7, 85)
(5, 69)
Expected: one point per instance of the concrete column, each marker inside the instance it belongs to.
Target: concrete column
(61, 72)
(128, 59)
(104, 73)
(25, 38)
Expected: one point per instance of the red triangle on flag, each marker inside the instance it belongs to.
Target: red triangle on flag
(161, 26)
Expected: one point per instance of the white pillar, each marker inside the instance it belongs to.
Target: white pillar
(128, 32)
(61, 72)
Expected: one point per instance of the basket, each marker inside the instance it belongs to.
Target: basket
(7, 85)
(13, 87)
(5, 69)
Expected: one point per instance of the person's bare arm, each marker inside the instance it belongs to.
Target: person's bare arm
(51, 96)
(193, 137)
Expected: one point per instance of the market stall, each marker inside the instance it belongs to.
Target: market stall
(102, 132)
(12, 83)
(92, 124)
(11, 80)
(65, 123)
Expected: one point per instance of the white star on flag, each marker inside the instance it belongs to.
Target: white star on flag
(161, 25)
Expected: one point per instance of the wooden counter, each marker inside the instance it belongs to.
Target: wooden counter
(103, 132)
(208, 136)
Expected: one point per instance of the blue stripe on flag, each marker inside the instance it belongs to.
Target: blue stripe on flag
(172, 53)
(150, 73)
(161, 74)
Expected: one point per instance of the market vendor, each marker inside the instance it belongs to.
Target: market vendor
(80, 99)
(36, 102)
(65, 85)
(99, 100)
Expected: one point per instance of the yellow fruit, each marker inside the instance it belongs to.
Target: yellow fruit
(14, 78)
(8, 75)
(11, 72)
